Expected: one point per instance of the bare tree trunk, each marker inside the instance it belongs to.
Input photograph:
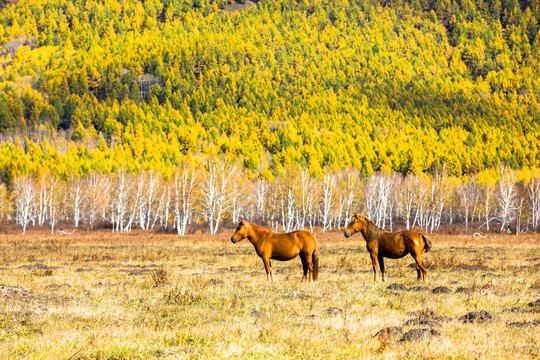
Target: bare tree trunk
(216, 191)
(261, 191)
(533, 192)
(328, 201)
(507, 198)
(489, 191)
(96, 191)
(24, 191)
(76, 195)
(119, 201)
(55, 190)
(183, 184)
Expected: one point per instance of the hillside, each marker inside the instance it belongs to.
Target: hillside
(397, 85)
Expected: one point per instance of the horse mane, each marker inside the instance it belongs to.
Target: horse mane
(258, 228)
(373, 231)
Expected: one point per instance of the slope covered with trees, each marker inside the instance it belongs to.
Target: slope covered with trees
(403, 85)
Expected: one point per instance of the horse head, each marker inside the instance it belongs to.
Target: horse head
(241, 231)
(358, 223)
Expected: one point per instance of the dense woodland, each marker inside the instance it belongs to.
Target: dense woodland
(414, 88)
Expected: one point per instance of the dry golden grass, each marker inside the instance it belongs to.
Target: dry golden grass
(139, 296)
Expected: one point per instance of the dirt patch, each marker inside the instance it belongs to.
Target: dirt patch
(57, 286)
(429, 314)
(441, 290)
(14, 292)
(481, 316)
(418, 288)
(422, 321)
(234, 269)
(333, 311)
(525, 323)
(468, 267)
(516, 310)
(134, 272)
(38, 267)
(389, 332)
(284, 269)
(399, 287)
(419, 334)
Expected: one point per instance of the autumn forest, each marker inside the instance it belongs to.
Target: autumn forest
(174, 114)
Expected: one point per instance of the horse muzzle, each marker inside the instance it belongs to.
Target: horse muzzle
(234, 240)
(347, 235)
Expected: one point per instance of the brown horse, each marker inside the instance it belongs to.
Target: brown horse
(381, 244)
(282, 247)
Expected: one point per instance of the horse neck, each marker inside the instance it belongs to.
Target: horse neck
(372, 232)
(256, 233)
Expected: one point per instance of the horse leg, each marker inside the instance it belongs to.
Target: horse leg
(381, 266)
(271, 271)
(268, 268)
(304, 265)
(374, 263)
(420, 267)
(309, 260)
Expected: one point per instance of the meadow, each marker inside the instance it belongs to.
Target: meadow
(98, 295)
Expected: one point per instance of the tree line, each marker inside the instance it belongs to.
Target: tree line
(220, 193)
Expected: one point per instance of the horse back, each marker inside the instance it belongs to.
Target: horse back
(304, 239)
(291, 244)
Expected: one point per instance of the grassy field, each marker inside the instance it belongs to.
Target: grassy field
(138, 296)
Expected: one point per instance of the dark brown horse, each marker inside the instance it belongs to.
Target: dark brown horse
(282, 247)
(381, 244)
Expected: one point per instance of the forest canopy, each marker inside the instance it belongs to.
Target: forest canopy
(398, 85)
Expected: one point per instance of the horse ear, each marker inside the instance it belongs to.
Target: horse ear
(241, 222)
(355, 216)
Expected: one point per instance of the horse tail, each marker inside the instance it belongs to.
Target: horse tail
(427, 243)
(315, 260)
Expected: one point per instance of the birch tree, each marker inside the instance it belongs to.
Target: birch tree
(119, 201)
(239, 197)
(260, 189)
(378, 192)
(351, 189)
(216, 191)
(306, 196)
(273, 205)
(488, 203)
(24, 192)
(150, 201)
(183, 194)
(96, 190)
(408, 197)
(43, 199)
(506, 196)
(56, 189)
(288, 203)
(468, 200)
(533, 201)
(327, 201)
(75, 189)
